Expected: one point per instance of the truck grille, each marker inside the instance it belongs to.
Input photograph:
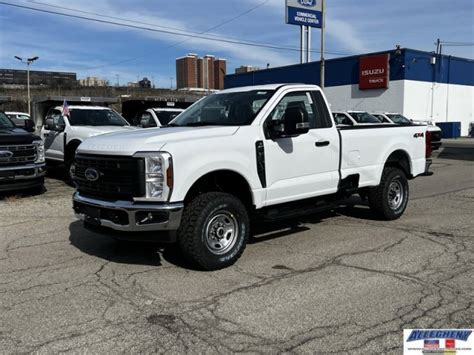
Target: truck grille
(118, 178)
(21, 154)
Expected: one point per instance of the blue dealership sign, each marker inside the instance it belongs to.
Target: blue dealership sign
(304, 12)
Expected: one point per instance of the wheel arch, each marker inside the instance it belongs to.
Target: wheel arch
(223, 180)
(400, 159)
(71, 148)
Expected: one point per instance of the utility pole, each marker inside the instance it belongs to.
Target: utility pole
(28, 62)
(302, 33)
(323, 25)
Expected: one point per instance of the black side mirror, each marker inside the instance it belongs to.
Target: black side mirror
(276, 129)
(295, 122)
(30, 126)
(49, 124)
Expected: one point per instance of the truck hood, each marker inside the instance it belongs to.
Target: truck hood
(84, 132)
(128, 143)
(16, 136)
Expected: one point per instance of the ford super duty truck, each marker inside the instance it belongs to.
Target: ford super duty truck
(22, 165)
(62, 134)
(262, 152)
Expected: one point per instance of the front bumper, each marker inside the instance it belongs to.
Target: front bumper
(22, 177)
(128, 216)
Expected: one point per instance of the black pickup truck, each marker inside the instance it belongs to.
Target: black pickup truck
(22, 164)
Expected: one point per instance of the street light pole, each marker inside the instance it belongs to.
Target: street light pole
(28, 62)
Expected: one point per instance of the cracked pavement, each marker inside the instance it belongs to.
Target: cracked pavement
(337, 282)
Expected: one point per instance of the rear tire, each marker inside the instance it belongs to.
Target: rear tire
(390, 199)
(214, 230)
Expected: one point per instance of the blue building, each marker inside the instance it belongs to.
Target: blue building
(418, 84)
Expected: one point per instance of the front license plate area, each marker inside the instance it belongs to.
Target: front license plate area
(92, 212)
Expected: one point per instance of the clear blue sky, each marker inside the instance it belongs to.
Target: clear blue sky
(94, 49)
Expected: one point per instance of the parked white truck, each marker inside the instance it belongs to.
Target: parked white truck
(261, 152)
(62, 134)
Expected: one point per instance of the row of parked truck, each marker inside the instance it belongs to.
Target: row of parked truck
(236, 156)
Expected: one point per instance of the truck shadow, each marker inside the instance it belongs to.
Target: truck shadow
(104, 246)
(457, 153)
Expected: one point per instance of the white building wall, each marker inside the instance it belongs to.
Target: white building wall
(349, 97)
(449, 103)
(439, 103)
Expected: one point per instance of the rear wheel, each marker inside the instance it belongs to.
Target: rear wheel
(390, 199)
(214, 230)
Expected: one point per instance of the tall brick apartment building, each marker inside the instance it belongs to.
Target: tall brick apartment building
(204, 73)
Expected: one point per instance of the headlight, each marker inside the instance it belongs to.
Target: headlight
(158, 175)
(39, 151)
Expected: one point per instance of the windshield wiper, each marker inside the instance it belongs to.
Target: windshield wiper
(200, 123)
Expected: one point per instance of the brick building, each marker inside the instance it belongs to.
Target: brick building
(204, 73)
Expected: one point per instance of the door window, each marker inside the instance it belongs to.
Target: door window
(340, 118)
(311, 103)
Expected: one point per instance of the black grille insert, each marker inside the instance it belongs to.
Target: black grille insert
(20, 154)
(119, 178)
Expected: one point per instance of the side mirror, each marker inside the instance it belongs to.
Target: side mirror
(145, 123)
(295, 122)
(49, 124)
(276, 128)
(30, 126)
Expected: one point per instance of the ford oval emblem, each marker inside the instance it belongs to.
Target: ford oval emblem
(5, 155)
(92, 174)
(309, 3)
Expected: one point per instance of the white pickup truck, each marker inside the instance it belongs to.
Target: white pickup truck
(62, 134)
(262, 152)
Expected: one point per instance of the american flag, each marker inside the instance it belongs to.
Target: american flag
(65, 108)
(431, 344)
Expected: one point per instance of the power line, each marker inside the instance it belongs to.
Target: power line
(170, 32)
(167, 47)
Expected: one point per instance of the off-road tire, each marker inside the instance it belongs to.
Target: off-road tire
(379, 196)
(197, 218)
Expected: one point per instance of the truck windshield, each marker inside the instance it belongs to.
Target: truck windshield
(399, 119)
(5, 121)
(91, 117)
(364, 117)
(229, 109)
(166, 117)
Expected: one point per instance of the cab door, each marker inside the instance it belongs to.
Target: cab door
(306, 165)
(53, 139)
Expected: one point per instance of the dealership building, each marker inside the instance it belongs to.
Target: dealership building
(420, 85)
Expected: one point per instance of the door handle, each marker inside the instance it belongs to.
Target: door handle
(322, 143)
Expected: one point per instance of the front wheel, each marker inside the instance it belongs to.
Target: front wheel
(390, 199)
(214, 230)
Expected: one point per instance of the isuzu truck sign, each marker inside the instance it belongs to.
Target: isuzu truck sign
(374, 72)
(304, 12)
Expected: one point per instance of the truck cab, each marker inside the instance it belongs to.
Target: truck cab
(260, 152)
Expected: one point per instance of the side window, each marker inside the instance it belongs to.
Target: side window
(340, 118)
(322, 112)
(303, 100)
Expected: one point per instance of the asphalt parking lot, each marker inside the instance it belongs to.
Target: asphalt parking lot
(334, 283)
